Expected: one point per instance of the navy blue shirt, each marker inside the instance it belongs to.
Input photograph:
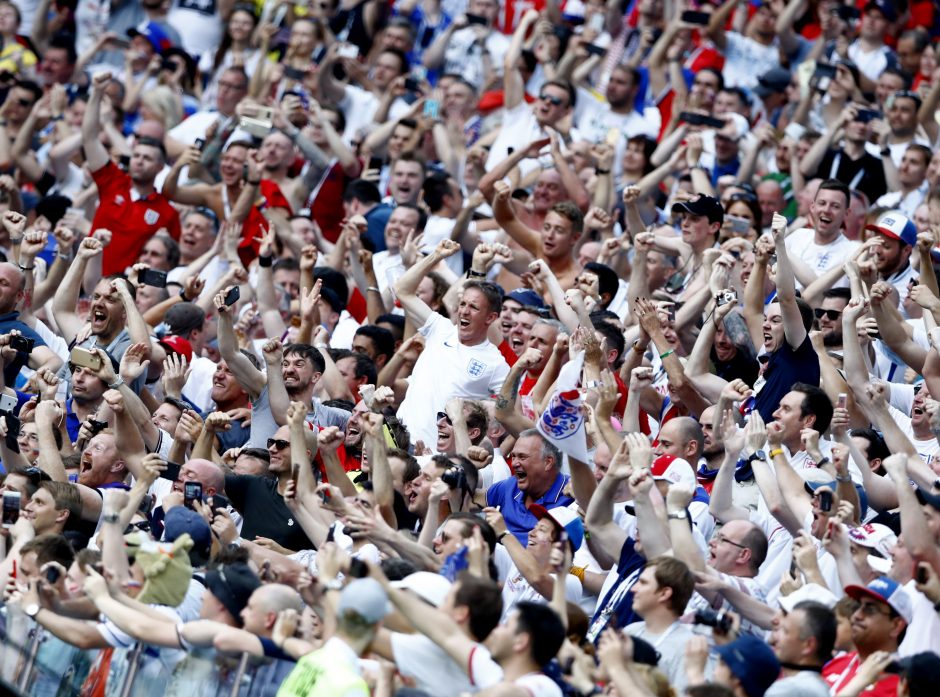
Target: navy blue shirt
(511, 501)
(615, 609)
(785, 368)
(377, 218)
(8, 323)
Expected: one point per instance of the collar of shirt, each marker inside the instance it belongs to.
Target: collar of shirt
(553, 493)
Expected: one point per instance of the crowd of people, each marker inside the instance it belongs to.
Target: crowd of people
(441, 347)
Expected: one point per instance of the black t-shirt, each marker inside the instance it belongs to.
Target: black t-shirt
(264, 511)
(785, 368)
(866, 174)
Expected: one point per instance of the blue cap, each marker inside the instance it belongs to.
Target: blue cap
(179, 520)
(155, 34)
(526, 298)
(565, 519)
(884, 7)
(888, 591)
(752, 662)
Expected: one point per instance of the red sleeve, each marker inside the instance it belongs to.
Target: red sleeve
(357, 306)
(173, 225)
(507, 352)
(108, 179)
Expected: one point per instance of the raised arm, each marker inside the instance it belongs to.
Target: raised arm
(793, 329)
(66, 297)
(406, 287)
(249, 377)
(599, 519)
(716, 25)
(96, 156)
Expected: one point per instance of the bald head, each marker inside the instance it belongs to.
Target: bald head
(205, 472)
(12, 283)
(150, 129)
(275, 597)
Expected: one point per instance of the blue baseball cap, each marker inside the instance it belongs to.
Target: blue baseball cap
(752, 662)
(896, 226)
(565, 519)
(526, 298)
(155, 34)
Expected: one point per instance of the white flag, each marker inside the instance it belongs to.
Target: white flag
(562, 422)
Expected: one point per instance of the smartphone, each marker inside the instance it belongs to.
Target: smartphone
(192, 491)
(11, 508)
(124, 162)
(295, 74)
(867, 115)
(23, 344)
(824, 70)
(376, 163)
(825, 501)
(232, 296)
(432, 109)
(7, 403)
(922, 575)
(411, 84)
(295, 475)
(693, 17)
(53, 574)
(476, 19)
(739, 225)
(84, 358)
(96, 426)
(199, 143)
(358, 568)
(347, 51)
(846, 13)
(152, 277)
(843, 399)
(594, 50)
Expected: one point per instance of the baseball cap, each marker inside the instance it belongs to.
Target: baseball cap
(431, 588)
(885, 590)
(875, 536)
(526, 298)
(232, 585)
(774, 81)
(53, 207)
(180, 520)
(884, 7)
(810, 592)
(928, 499)
(922, 669)
(565, 519)
(674, 470)
(178, 344)
(366, 598)
(896, 226)
(709, 206)
(752, 662)
(154, 33)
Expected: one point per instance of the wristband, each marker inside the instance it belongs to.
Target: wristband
(500, 536)
(475, 274)
(257, 182)
(578, 572)
(666, 353)
(26, 268)
(321, 345)
(598, 170)
(639, 349)
(265, 261)
(117, 383)
(840, 478)
(775, 452)
(16, 240)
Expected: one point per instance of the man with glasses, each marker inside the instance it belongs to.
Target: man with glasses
(878, 625)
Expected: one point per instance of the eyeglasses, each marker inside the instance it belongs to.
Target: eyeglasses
(871, 609)
(554, 101)
(443, 415)
(719, 538)
(829, 314)
(278, 443)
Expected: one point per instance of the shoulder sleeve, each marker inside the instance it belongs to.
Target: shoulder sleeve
(434, 324)
(500, 373)
(107, 178)
(482, 670)
(236, 489)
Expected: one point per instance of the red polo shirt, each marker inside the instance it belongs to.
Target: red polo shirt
(132, 219)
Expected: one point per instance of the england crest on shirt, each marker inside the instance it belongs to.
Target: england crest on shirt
(151, 216)
(475, 368)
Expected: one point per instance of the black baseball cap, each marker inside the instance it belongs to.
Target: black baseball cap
(232, 585)
(709, 206)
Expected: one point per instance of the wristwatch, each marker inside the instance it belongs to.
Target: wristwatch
(31, 610)
(758, 455)
(110, 518)
(334, 585)
(678, 515)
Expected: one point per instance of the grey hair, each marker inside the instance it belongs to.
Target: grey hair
(548, 448)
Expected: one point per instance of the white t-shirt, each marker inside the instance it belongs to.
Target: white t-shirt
(746, 60)
(907, 204)
(870, 63)
(519, 128)
(594, 119)
(448, 369)
(388, 268)
(801, 244)
(517, 589)
(923, 633)
(464, 57)
(359, 107)
(439, 228)
(199, 24)
(432, 669)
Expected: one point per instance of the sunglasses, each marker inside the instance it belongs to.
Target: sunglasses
(554, 101)
(443, 415)
(829, 314)
(278, 443)
(25, 103)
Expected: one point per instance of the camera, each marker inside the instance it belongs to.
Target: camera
(455, 478)
(727, 296)
(22, 344)
(720, 621)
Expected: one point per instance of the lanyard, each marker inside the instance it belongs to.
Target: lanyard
(836, 161)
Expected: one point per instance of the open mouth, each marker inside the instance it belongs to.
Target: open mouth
(99, 317)
(517, 344)
(463, 322)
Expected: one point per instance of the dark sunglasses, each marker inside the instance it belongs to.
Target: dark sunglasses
(554, 101)
(443, 415)
(25, 103)
(278, 443)
(742, 196)
(830, 314)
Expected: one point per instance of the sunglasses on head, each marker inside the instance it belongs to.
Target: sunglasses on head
(278, 443)
(829, 314)
(554, 101)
